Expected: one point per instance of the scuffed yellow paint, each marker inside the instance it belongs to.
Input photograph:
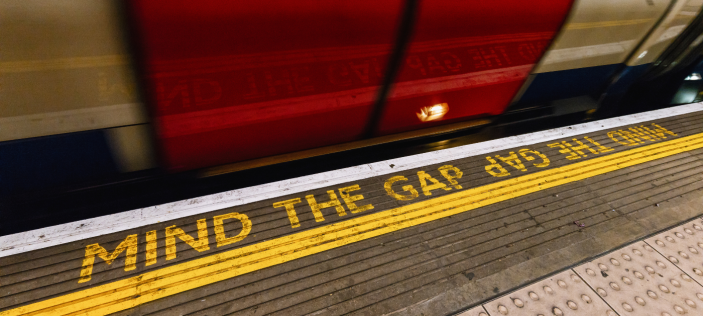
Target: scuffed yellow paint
(220, 236)
(317, 207)
(290, 209)
(351, 200)
(201, 244)
(407, 188)
(436, 184)
(92, 250)
(151, 247)
(444, 170)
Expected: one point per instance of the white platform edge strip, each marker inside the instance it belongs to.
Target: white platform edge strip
(98, 226)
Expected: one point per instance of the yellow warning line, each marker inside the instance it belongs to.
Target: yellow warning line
(150, 286)
(590, 25)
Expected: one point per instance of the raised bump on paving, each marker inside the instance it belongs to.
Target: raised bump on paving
(561, 294)
(636, 280)
(476, 311)
(683, 246)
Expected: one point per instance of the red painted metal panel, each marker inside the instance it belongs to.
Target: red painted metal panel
(471, 55)
(237, 80)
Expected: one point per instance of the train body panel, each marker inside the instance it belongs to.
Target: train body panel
(233, 81)
(494, 47)
(236, 81)
(591, 47)
(219, 88)
(64, 68)
(601, 33)
(67, 83)
(564, 84)
(681, 14)
(53, 161)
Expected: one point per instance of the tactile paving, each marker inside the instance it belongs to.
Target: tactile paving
(561, 294)
(683, 246)
(476, 311)
(637, 280)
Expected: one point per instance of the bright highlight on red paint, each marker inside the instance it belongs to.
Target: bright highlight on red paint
(433, 113)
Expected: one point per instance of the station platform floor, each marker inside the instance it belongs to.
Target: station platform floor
(599, 218)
